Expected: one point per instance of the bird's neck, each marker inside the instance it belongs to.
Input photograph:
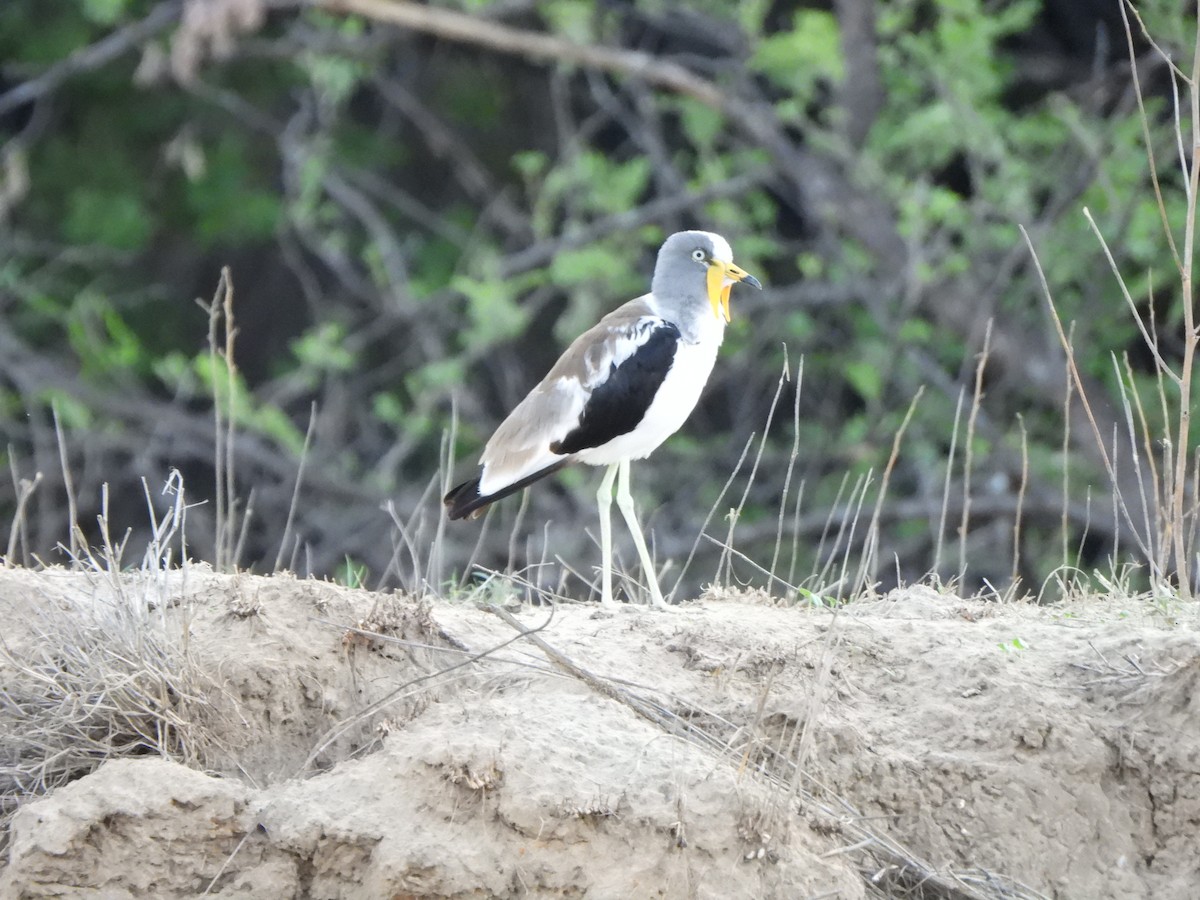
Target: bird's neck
(695, 319)
(701, 326)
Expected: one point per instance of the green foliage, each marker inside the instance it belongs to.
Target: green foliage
(351, 573)
(176, 372)
(103, 340)
(702, 123)
(228, 202)
(800, 58)
(371, 241)
(73, 415)
(436, 377)
(104, 12)
(322, 349)
(584, 264)
(116, 220)
(37, 33)
(493, 314)
(573, 19)
(334, 77)
(389, 408)
(472, 98)
(865, 377)
(1015, 645)
(588, 183)
(1173, 25)
(235, 399)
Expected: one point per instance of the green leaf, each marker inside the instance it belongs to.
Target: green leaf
(915, 331)
(334, 77)
(104, 342)
(322, 348)
(437, 377)
(108, 218)
(493, 313)
(865, 378)
(352, 573)
(573, 19)
(388, 408)
(613, 187)
(176, 372)
(585, 264)
(104, 12)
(799, 58)
(232, 199)
(237, 401)
(701, 122)
(72, 412)
(530, 163)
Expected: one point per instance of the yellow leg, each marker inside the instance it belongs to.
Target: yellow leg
(625, 504)
(604, 498)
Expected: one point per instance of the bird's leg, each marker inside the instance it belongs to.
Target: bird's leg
(604, 498)
(625, 504)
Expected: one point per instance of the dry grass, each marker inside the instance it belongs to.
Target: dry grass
(1159, 513)
(92, 677)
(103, 673)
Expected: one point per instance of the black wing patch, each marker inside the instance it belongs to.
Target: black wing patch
(618, 405)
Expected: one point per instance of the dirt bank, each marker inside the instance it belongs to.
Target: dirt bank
(730, 748)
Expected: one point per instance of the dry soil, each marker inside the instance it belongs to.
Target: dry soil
(914, 745)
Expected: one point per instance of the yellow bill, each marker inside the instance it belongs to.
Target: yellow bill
(720, 281)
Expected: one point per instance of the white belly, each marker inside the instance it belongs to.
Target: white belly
(674, 402)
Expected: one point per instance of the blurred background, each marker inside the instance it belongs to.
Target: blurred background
(420, 206)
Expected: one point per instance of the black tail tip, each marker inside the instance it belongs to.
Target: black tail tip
(464, 501)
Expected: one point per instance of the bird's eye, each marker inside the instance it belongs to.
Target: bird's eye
(698, 255)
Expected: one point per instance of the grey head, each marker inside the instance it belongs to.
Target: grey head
(692, 278)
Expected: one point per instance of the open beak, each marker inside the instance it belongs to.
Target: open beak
(721, 278)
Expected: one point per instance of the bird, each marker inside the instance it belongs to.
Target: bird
(618, 391)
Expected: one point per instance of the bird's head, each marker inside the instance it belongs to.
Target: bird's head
(699, 259)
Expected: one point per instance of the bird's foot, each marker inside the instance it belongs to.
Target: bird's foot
(656, 597)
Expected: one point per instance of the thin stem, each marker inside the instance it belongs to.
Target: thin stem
(1016, 565)
(968, 453)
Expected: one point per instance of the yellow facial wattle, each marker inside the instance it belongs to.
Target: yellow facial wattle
(720, 280)
(718, 291)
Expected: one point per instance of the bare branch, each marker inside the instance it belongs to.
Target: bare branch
(456, 26)
(862, 93)
(815, 181)
(93, 56)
